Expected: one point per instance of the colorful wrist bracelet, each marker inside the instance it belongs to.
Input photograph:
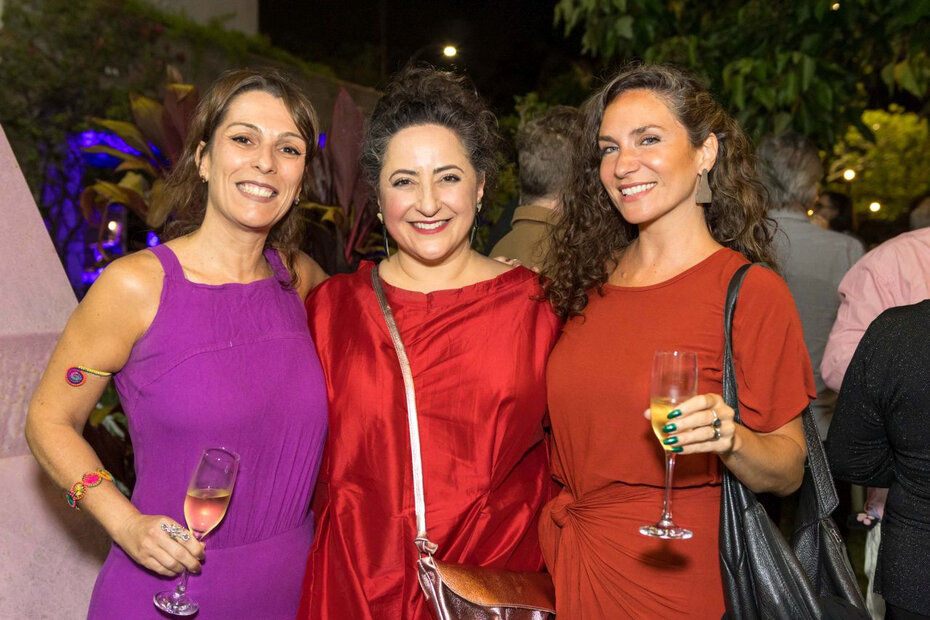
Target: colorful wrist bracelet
(87, 481)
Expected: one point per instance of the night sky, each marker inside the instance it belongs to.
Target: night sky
(508, 47)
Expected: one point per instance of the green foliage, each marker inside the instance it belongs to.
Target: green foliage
(62, 62)
(776, 65)
(891, 170)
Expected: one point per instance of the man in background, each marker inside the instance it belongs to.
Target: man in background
(813, 259)
(544, 152)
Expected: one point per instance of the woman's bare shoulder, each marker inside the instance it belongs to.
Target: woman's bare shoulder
(309, 274)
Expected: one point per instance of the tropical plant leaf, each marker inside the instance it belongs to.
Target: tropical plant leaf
(325, 213)
(345, 146)
(180, 101)
(159, 209)
(138, 164)
(135, 182)
(99, 413)
(102, 194)
(147, 114)
(129, 133)
(128, 160)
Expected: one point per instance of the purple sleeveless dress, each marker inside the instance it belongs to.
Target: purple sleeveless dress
(229, 365)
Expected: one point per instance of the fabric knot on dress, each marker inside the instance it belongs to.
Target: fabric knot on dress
(560, 508)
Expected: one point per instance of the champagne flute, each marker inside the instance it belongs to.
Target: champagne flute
(204, 507)
(674, 380)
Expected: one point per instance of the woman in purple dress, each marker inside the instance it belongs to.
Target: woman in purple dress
(207, 339)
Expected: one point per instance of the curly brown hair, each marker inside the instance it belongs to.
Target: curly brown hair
(184, 189)
(423, 95)
(591, 234)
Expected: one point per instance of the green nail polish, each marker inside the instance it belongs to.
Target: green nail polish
(674, 414)
(677, 449)
(670, 440)
(669, 428)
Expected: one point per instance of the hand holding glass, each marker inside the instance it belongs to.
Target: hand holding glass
(204, 507)
(674, 380)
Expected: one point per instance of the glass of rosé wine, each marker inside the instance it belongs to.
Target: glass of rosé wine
(204, 507)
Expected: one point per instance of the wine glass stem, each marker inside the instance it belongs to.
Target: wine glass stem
(181, 588)
(669, 471)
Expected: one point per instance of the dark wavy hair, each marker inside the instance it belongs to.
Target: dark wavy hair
(423, 95)
(591, 234)
(184, 189)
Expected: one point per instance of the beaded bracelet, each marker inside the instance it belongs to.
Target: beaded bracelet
(87, 481)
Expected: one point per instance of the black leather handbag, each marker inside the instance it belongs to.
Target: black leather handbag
(764, 576)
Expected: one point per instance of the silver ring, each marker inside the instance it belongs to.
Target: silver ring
(716, 433)
(716, 423)
(176, 532)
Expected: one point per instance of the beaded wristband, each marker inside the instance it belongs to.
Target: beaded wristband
(87, 481)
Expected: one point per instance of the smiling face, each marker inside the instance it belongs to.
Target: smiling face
(254, 163)
(648, 165)
(428, 191)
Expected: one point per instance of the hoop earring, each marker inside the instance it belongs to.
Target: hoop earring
(703, 195)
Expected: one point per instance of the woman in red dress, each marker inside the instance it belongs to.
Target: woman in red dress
(477, 334)
(641, 263)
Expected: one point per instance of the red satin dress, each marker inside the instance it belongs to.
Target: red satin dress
(478, 356)
(611, 464)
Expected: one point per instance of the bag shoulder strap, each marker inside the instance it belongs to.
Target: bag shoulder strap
(730, 395)
(422, 541)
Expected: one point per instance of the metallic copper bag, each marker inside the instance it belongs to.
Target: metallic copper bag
(458, 591)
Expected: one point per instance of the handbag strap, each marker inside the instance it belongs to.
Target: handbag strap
(422, 541)
(827, 498)
(730, 390)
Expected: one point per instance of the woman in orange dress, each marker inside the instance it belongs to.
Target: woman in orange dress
(641, 263)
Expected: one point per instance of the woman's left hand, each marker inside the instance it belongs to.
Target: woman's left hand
(703, 423)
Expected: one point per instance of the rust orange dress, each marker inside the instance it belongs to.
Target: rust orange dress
(478, 356)
(608, 459)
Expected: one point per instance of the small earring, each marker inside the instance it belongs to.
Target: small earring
(387, 246)
(478, 207)
(703, 195)
(203, 179)
(297, 201)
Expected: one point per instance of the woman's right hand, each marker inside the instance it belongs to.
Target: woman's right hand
(144, 540)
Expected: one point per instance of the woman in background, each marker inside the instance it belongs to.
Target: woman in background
(477, 335)
(662, 210)
(880, 437)
(207, 340)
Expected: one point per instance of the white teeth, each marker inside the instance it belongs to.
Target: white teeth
(636, 189)
(428, 225)
(254, 190)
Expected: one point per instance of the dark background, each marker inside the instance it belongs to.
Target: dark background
(508, 47)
